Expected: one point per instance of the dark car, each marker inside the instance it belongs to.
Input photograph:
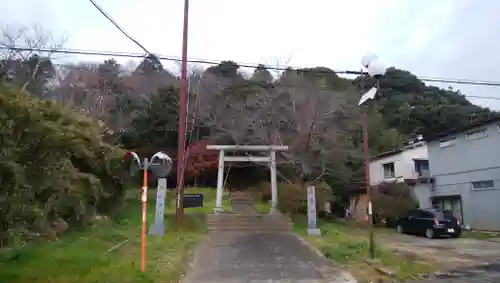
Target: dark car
(430, 222)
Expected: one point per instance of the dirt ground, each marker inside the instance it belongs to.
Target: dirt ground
(459, 260)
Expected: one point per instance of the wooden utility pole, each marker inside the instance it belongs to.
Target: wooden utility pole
(181, 148)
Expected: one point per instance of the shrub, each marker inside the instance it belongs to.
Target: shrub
(392, 199)
(292, 198)
(54, 168)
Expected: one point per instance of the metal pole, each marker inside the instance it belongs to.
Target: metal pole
(366, 150)
(182, 118)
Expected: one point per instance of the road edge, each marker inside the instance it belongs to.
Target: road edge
(331, 273)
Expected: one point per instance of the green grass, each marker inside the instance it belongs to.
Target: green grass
(349, 246)
(84, 257)
(262, 207)
(209, 199)
(479, 235)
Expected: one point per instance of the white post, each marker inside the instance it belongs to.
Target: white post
(312, 230)
(220, 183)
(274, 184)
(158, 228)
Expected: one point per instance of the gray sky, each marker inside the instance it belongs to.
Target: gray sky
(439, 38)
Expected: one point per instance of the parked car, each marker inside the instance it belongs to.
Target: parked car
(429, 222)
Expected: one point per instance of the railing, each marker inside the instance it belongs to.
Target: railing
(423, 174)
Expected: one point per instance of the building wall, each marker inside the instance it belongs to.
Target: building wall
(403, 165)
(422, 193)
(466, 155)
(456, 166)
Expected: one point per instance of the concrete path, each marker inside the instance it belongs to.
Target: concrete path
(235, 257)
(239, 207)
(271, 257)
(240, 203)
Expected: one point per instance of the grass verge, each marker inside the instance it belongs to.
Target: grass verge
(480, 235)
(262, 207)
(348, 247)
(109, 252)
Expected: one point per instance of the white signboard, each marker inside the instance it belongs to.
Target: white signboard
(311, 212)
(158, 227)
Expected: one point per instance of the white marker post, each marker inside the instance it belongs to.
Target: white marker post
(158, 227)
(312, 230)
(161, 165)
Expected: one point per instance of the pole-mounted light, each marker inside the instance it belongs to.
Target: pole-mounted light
(375, 69)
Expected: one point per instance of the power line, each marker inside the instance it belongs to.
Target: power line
(107, 16)
(267, 67)
(87, 68)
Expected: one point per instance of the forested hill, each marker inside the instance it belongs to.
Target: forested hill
(412, 107)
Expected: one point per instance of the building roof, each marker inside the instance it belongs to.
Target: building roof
(387, 153)
(417, 143)
(463, 128)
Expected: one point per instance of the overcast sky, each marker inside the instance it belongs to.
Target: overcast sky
(438, 38)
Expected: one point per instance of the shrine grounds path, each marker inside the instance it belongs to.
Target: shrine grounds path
(246, 256)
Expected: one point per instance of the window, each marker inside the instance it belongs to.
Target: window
(424, 214)
(483, 185)
(448, 142)
(413, 213)
(444, 214)
(389, 171)
(478, 134)
(422, 168)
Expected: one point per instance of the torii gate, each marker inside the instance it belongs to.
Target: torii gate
(271, 159)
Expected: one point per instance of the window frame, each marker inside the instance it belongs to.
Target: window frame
(393, 170)
(450, 142)
(492, 187)
(482, 130)
(418, 164)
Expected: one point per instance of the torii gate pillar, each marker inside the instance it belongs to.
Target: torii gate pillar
(271, 160)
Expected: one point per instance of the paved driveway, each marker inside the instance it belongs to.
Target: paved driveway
(460, 260)
(236, 257)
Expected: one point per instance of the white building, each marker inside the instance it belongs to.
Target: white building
(408, 163)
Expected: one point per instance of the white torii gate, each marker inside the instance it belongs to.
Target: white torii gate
(271, 159)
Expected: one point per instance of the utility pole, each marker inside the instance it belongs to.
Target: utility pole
(366, 152)
(375, 69)
(181, 149)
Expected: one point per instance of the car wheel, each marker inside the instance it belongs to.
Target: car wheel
(429, 233)
(455, 235)
(400, 229)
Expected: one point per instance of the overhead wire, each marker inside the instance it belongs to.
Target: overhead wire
(112, 21)
(216, 62)
(89, 68)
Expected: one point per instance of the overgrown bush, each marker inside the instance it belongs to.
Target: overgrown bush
(55, 170)
(292, 198)
(390, 200)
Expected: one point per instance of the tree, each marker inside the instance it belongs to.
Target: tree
(300, 112)
(261, 74)
(200, 160)
(30, 70)
(155, 127)
(412, 107)
(54, 167)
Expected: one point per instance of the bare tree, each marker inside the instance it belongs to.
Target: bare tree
(21, 62)
(111, 93)
(302, 112)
